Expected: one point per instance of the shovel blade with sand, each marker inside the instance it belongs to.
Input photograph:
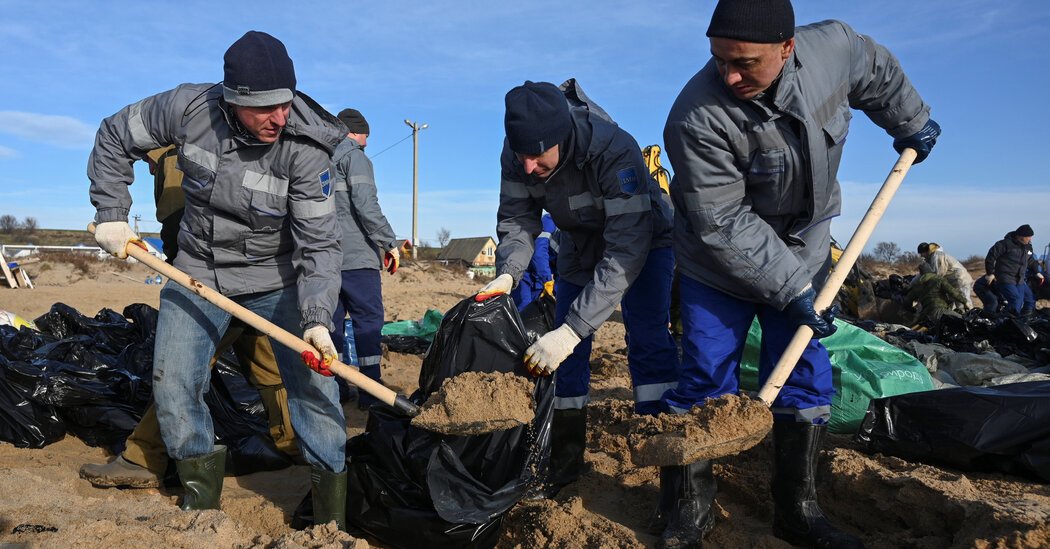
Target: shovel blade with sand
(711, 434)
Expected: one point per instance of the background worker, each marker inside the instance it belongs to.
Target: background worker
(1006, 265)
(755, 139)
(936, 296)
(614, 249)
(950, 268)
(144, 461)
(259, 227)
(539, 276)
(368, 245)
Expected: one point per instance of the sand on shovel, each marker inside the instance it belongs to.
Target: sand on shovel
(722, 426)
(474, 403)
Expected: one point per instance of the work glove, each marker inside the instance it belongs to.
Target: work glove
(499, 285)
(922, 141)
(392, 260)
(321, 340)
(800, 311)
(1040, 277)
(548, 288)
(549, 351)
(114, 236)
(990, 279)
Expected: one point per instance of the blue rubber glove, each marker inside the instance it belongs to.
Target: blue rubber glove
(800, 311)
(922, 141)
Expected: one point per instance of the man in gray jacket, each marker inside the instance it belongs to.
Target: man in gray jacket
(259, 227)
(365, 236)
(755, 139)
(615, 225)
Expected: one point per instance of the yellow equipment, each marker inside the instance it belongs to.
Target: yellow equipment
(651, 154)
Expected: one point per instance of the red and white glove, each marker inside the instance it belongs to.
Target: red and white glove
(502, 284)
(392, 260)
(321, 340)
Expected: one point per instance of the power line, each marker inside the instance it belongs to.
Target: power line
(373, 156)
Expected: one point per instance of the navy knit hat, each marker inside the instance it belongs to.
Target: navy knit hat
(537, 117)
(1025, 230)
(257, 72)
(354, 121)
(759, 21)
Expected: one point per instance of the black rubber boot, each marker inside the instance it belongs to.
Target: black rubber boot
(670, 477)
(201, 478)
(328, 492)
(568, 441)
(797, 517)
(691, 491)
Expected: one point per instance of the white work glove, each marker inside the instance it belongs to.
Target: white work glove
(321, 340)
(499, 285)
(989, 278)
(544, 356)
(113, 237)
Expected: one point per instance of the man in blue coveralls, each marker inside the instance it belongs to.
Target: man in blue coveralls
(755, 139)
(615, 224)
(540, 274)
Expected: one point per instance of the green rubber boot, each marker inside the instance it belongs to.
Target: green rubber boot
(328, 491)
(201, 477)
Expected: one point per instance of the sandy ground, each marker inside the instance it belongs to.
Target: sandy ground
(886, 501)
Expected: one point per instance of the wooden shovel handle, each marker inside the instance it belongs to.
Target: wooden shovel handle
(827, 294)
(275, 332)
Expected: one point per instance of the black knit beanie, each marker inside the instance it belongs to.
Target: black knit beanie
(354, 121)
(924, 247)
(257, 72)
(537, 117)
(1025, 230)
(759, 21)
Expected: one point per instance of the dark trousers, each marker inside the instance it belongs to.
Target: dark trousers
(361, 297)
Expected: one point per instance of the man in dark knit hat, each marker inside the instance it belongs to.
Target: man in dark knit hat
(368, 244)
(1007, 265)
(564, 154)
(755, 139)
(259, 227)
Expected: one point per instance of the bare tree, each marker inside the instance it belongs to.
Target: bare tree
(443, 236)
(29, 225)
(886, 251)
(8, 224)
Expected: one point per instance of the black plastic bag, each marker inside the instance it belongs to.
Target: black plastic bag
(410, 487)
(24, 422)
(1005, 428)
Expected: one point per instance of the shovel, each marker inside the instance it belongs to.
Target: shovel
(349, 373)
(755, 420)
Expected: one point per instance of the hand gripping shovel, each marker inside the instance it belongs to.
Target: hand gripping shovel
(750, 420)
(349, 373)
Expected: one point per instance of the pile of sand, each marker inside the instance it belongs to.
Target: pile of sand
(474, 403)
(723, 426)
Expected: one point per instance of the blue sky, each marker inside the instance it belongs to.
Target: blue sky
(980, 64)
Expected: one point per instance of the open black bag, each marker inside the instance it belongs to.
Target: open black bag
(1005, 428)
(410, 487)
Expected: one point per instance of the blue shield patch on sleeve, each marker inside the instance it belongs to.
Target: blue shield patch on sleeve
(628, 180)
(325, 178)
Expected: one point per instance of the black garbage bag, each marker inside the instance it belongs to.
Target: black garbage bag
(410, 487)
(1005, 428)
(24, 422)
(240, 421)
(411, 345)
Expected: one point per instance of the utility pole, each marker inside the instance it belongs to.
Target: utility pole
(137, 218)
(416, 128)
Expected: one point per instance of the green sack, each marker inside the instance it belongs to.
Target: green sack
(425, 328)
(864, 367)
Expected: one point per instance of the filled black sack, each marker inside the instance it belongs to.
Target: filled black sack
(410, 487)
(24, 422)
(1005, 428)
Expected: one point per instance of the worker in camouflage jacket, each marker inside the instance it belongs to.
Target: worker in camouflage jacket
(941, 263)
(936, 297)
(259, 227)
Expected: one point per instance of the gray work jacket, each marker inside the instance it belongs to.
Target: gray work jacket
(755, 182)
(365, 234)
(609, 212)
(259, 216)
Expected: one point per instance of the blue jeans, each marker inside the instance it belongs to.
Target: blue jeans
(1013, 294)
(714, 331)
(189, 328)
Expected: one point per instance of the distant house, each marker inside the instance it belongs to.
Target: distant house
(476, 254)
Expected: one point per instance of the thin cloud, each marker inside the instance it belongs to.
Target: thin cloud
(60, 131)
(7, 152)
